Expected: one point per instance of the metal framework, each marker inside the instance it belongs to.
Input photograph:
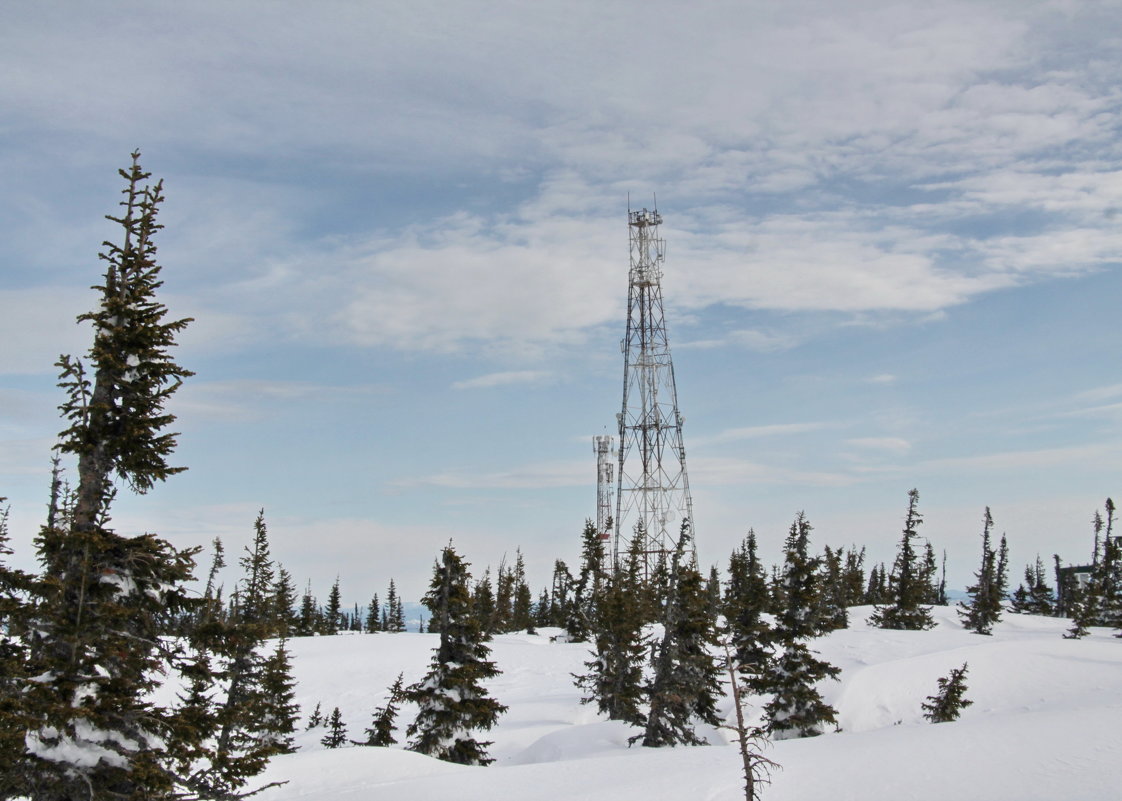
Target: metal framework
(652, 488)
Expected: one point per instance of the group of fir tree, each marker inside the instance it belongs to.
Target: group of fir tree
(101, 626)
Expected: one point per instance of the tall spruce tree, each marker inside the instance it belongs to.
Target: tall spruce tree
(332, 614)
(522, 603)
(908, 590)
(684, 689)
(615, 674)
(105, 602)
(984, 609)
(796, 708)
(746, 602)
(452, 703)
(395, 610)
(589, 583)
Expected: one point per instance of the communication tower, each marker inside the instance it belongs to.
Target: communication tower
(605, 485)
(652, 488)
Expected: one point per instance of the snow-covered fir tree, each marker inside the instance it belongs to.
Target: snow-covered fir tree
(452, 703)
(105, 603)
(796, 708)
(394, 621)
(947, 704)
(908, 590)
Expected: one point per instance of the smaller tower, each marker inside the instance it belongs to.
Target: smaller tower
(603, 447)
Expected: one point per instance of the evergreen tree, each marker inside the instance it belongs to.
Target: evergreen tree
(543, 609)
(484, 603)
(796, 708)
(336, 730)
(280, 713)
(947, 704)
(984, 609)
(382, 727)
(452, 702)
(560, 594)
(686, 684)
(1099, 603)
(854, 577)
(908, 589)
(832, 613)
(316, 718)
(331, 613)
(504, 598)
(284, 604)
(1034, 596)
(374, 615)
(395, 610)
(105, 602)
(308, 620)
(615, 675)
(522, 604)
(746, 601)
(588, 586)
(13, 587)
(253, 717)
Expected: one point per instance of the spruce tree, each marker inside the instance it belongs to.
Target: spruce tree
(909, 585)
(559, 596)
(336, 736)
(105, 602)
(253, 717)
(374, 615)
(316, 718)
(280, 712)
(13, 608)
(308, 620)
(832, 614)
(984, 609)
(947, 704)
(615, 675)
(522, 605)
(395, 611)
(1034, 596)
(284, 604)
(746, 602)
(484, 604)
(382, 727)
(451, 699)
(331, 613)
(685, 686)
(586, 590)
(796, 708)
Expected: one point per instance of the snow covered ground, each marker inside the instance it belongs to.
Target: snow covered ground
(1044, 724)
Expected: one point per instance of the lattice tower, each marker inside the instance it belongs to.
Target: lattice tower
(652, 488)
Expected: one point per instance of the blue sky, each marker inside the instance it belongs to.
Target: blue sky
(893, 260)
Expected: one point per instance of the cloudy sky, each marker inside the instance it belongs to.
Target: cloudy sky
(893, 232)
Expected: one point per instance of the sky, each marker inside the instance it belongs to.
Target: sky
(893, 261)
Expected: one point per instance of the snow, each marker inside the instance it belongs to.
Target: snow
(1043, 724)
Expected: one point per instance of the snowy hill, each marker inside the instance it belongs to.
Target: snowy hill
(1044, 724)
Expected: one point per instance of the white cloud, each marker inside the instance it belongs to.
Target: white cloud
(889, 444)
(757, 432)
(503, 379)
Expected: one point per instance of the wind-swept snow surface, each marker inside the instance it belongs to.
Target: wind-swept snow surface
(1044, 724)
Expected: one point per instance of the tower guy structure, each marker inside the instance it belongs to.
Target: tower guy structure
(652, 488)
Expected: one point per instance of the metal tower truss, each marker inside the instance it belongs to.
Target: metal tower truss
(652, 487)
